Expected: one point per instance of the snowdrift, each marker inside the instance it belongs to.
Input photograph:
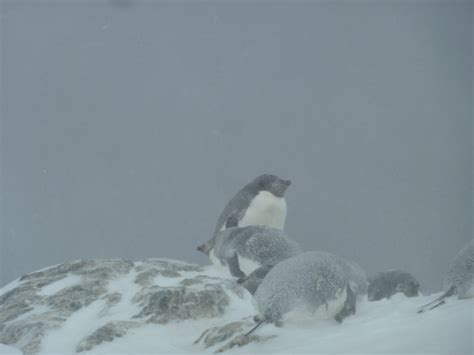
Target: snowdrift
(169, 306)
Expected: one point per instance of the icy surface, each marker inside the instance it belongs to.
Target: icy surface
(107, 324)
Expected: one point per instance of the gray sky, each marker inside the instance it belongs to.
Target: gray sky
(126, 127)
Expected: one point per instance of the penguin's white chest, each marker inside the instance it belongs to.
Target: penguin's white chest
(265, 209)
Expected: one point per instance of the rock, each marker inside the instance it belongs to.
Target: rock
(145, 278)
(215, 335)
(162, 304)
(73, 298)
(25, 336)
(153, 291)
(235, 331)
(242, 340)
(106, 333)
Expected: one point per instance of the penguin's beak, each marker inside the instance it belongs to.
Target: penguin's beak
(287, 182)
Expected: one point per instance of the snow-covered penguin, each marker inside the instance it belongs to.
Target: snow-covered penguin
(459, 279)
(315, 284)
(357, 278)
(260, 202)
(245, 249)
(386, 284)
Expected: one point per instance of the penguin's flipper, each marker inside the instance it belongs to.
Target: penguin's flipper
(234, 267)
(349, 305)
(232, 221)
(438, 301)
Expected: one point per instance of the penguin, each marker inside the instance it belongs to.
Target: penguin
(260, 202)
(245, 249)
(459, 279)
(357, 278)
(386, 284)
(315, 284)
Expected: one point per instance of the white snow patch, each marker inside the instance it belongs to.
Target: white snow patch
(8, 287)
(8, 350)
(124, 309)
(55, 287)
(86, 320)
(77, 326)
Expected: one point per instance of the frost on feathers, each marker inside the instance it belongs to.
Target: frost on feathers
(461, 273)
(307, 282)
(357, 276)
(258, 244)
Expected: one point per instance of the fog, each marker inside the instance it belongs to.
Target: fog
(126, 126)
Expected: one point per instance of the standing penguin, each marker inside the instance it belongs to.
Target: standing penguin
(260, 202)
(460, 278)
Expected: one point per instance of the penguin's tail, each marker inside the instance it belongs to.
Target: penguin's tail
(259, 323)
(437, 302)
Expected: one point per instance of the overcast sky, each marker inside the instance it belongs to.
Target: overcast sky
(127, 125)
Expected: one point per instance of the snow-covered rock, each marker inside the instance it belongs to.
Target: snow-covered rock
(234, 332)
(169, 306)
(120, 295)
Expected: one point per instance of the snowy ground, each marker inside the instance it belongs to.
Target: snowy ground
(387, 326)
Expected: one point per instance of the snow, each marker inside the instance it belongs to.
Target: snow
(57, 286)
(384, 327)
(14, 284)
(8, 350)
(77, 326)
(387, 327)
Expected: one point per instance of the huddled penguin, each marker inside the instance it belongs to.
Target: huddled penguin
(311, 283)
(260, 202)
(386, 284)
(357, 278)
(245, 249)
(460, 278)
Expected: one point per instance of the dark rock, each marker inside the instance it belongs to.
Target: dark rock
(106, 333)
(146, 278)
(73, 298)
(162, 304)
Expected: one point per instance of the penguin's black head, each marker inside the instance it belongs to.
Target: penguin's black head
(271, 183)
(410, 287)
